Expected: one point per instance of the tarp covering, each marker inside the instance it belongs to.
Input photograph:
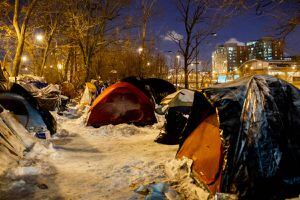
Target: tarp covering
(48, 95)
(46, 115)
(14, 139)
(121, 103)
(27, 115)
(176, 119)
(259, 121)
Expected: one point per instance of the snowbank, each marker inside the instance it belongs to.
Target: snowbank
(77, 126)
(179, 171)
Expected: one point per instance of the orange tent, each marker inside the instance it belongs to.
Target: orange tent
(121, 103)
(204, 147)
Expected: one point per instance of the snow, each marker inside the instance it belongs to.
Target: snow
(179, 171)
(186, 95)
(88, 163)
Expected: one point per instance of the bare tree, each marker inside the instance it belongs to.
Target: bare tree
(285, 12)
(20, 25)
(91, 22)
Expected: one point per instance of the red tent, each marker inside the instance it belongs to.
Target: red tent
(121, 103)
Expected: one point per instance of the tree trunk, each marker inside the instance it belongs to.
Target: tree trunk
(20, 33)
(67, 65)
(186, 74)
(45, 55)
(88, 67)
(17, 58)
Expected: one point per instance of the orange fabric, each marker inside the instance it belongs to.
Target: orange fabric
(121, 103)
(204, 147)
(92, 88)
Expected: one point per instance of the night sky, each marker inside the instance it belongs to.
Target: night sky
(245, 27)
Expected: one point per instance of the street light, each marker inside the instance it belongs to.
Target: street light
(140, 50)
(59, 66)
(39, 37)
(24, 58)
(148, 63)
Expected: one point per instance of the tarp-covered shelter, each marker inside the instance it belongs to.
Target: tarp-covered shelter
(177, 107)
(14, 140)
(48, 95)
(154, 88)
(27, 115)
(244, 138)
(121, 103)
(46, 115)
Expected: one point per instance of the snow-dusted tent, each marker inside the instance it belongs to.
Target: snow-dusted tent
(153, 88)
(177, 107)
(181, 98)
(121, 103)
(27, 115)
(244, 138)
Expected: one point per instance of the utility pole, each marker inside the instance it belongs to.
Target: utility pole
(197, 54)
(176, 70)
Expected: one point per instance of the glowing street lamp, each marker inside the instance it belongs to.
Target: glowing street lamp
(24, 58)
(148, 63)
(140, 50)
(59, 66)
(39, 37)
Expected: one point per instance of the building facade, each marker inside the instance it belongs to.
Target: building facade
(219, 60)
(228, 57)
(266, 48)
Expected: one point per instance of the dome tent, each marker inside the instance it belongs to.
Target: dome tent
(177, 107)
(27, 115)
(45, 114)
(244, 138)
(183, 97)
(121, 103)
(153, 88)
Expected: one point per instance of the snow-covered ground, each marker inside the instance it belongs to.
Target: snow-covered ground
(88, 163)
